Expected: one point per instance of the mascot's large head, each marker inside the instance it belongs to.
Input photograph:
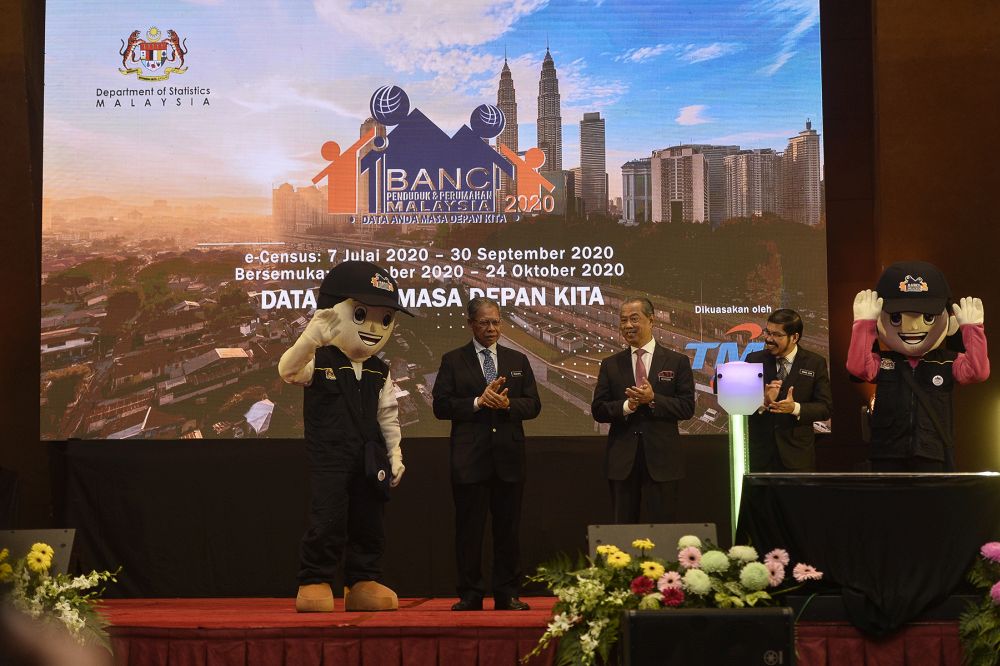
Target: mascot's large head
(915, 300)
(366, 299)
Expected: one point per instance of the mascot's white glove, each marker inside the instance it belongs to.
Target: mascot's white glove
(397, 466)
(969, 311)
(296, 364)
(867, 305)
(322, 328)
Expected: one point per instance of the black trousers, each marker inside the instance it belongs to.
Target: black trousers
(638, 491)
(345, 517)
(502, 500)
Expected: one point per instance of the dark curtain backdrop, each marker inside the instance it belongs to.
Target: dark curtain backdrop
(224, 518)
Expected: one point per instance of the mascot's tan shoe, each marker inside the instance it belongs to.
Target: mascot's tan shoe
(314, 598)
(367, 595)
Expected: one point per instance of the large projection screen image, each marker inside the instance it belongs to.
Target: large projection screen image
(206, 163)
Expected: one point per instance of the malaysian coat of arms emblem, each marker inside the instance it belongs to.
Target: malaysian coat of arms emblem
(153, 55)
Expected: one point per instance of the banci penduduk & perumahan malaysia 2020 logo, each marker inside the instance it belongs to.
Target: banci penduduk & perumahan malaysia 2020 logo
(418, 174)
(153, 59)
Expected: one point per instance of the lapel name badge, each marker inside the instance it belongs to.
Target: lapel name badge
(807, 373)
(665, 375)
(516, 373)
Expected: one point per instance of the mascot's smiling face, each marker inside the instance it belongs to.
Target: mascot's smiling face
(914, 333)
(362, 329)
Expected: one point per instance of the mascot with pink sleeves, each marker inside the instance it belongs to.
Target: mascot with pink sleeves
(913, 372)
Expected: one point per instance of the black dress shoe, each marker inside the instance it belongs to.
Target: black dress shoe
(468, 605)
(512, 603)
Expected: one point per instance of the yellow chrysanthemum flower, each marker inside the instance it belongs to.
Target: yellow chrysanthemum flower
(37, 561)
(3, 554)
(652, 570)
(643, 544)
(618, 560)
(44, 549)
(6, 571)
(607, 549)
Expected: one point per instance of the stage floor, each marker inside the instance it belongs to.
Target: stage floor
(277, 613)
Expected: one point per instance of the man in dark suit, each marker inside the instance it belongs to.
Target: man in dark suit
(796, 393)
(486, 390)
(643, 392)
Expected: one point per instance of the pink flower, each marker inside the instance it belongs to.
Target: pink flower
(995, 594)
(669, 580)
(642, 586)
(777, 572)
(689, 558)
(803, 572)
(778, 555)
(673, 596)
(991, 551)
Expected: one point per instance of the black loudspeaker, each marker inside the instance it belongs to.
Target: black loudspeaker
(664, 535)
(721, 637)
(19, 542)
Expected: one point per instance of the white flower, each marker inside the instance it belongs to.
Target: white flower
(560, 624)
(688, 540)
(697, 581)
(742, 553)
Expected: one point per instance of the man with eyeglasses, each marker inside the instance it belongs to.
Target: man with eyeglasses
(796, 393)
(643, 391)
(486, 391)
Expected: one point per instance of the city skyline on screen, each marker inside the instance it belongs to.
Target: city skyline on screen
(282, 78)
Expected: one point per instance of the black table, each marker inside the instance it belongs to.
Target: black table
(894, 544)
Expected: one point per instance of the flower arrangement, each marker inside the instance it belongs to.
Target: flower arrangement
(979, 625)
(593, 593)
(29, 587)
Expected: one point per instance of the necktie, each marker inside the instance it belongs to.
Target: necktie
(782, 368)
(640, 367)
(489, 368)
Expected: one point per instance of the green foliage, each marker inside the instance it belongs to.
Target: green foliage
(593, 594)
(59, 599)
(979, 625)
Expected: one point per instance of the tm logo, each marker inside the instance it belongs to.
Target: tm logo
(728, 351)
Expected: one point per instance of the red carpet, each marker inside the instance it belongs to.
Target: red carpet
(425, 632)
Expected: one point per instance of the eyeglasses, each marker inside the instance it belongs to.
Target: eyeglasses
(486, 323)
(773, 334)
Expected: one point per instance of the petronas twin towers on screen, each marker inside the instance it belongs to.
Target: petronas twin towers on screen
(549, 118)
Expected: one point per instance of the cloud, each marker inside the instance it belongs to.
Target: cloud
(406, 25)
(693, 54)
(643, 53)
(777, 64)
(754, 138)
(691, 115)
(794, 18)
(444, 41)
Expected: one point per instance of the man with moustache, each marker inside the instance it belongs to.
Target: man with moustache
(486, 390)
(643, 391)
(796, 393)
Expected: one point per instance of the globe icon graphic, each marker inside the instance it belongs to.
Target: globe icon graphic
(389, 105)
(487, 121)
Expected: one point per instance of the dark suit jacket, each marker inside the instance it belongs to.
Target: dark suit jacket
(670, 376)
(486, 440)
(782, 434)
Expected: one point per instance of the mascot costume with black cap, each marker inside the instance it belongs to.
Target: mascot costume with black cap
(352, 435)
(913, 372)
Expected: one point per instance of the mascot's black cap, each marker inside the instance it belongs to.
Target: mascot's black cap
(362, 281)
(913, 286)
